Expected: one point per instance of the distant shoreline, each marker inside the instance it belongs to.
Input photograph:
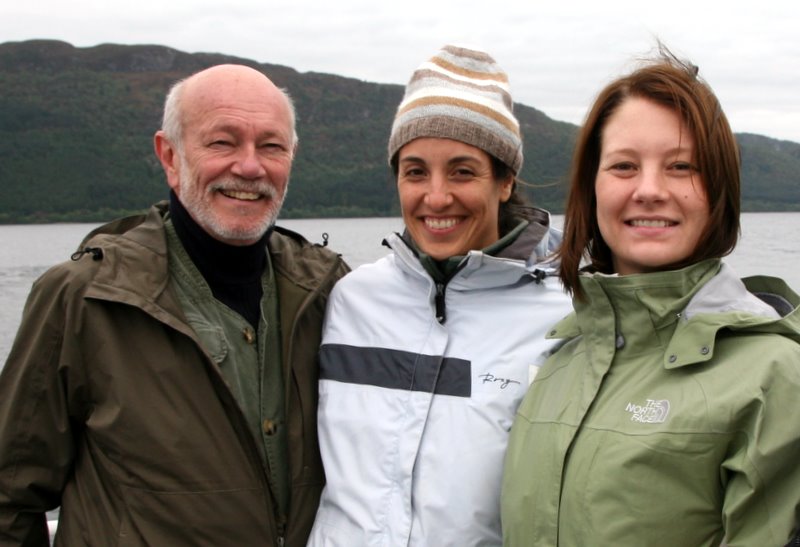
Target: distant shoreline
(102, 217)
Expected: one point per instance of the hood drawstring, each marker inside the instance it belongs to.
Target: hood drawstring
(96, 252)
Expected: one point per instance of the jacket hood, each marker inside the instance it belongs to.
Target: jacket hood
(152, 219)
(536, 242)
(147, 230)
(699, 301)
(531, 249)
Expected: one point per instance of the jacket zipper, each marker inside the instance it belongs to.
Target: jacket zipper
(239, 424)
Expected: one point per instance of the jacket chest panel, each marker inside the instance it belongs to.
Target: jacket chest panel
(161, 395)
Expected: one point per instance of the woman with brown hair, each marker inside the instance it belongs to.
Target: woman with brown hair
(669, 414)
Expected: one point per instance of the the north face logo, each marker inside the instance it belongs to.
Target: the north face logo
(652, 412)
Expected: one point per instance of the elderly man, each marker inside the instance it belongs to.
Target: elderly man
(162, 387)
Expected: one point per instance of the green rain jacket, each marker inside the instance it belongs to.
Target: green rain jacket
(670, 416)
(111, 407)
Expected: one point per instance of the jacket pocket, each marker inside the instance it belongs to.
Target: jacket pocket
(214, 518)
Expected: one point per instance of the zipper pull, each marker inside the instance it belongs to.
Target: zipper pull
(441, 314)
(281, 531)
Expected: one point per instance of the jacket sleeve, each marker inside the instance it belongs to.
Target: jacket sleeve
(36, 446)
(762, 495)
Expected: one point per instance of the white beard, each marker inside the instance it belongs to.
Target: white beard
(197, 202)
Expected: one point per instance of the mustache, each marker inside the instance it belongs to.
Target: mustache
(234, 184)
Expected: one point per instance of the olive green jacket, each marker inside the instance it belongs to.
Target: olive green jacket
(111, 409)
(669, 417)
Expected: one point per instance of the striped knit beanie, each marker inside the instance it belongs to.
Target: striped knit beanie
(460, 94)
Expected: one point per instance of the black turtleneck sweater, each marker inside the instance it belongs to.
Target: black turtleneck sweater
(232, 272)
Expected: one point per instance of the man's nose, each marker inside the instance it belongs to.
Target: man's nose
(248, 165)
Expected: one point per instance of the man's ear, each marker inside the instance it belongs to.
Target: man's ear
(169, 158)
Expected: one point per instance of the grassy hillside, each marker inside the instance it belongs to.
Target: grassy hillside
(76, 128)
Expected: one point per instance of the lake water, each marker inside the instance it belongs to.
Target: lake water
(769, 245)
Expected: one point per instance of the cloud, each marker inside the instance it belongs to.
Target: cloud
(557, 54)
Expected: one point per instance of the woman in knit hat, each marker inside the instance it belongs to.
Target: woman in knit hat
(426, 353)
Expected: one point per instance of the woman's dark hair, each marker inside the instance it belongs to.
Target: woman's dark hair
(517, 207)
(674, 84)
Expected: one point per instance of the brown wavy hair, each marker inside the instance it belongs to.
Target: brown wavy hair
(675, 84)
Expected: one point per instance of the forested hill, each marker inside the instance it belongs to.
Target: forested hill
(76, 128)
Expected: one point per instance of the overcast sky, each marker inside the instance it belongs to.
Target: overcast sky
(558, 53)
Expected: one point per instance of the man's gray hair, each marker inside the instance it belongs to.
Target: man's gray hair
(172, 121)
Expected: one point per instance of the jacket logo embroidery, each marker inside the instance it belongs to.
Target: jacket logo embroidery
(652, 412)
(490, 378)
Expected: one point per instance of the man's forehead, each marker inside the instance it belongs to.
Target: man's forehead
(222, 75)
(234, 95)
(232, 85)
(235, 108)
(235, 123)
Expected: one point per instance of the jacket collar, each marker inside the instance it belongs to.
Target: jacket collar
(726, 302)
(530, 245)
(135, 257)
(683, 309)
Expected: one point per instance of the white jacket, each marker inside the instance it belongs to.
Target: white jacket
(414, 414)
